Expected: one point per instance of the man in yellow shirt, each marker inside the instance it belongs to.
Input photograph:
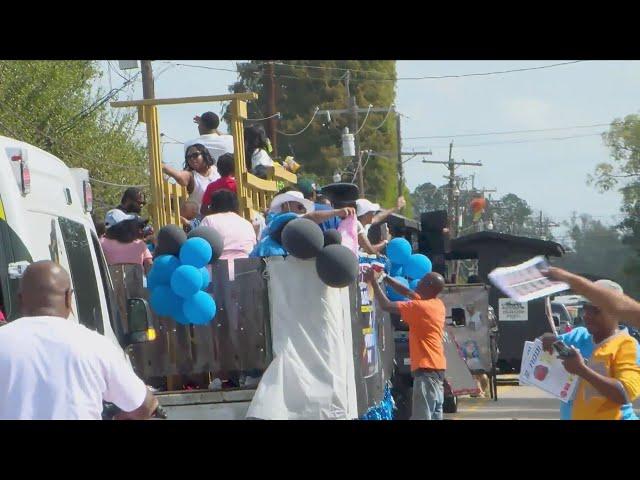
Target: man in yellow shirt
(610, 378)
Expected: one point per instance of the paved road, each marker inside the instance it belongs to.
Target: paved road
(514, 403)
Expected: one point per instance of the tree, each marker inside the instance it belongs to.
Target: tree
(54, 105)
(623, 140)
(304, 85)
(598, 250)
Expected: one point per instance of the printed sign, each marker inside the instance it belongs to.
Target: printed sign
(512, 311)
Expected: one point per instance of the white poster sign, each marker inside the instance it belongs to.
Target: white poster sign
(512, 311)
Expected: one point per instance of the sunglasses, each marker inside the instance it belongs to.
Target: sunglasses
(194, 155)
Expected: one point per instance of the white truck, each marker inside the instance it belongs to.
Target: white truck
(45, 215)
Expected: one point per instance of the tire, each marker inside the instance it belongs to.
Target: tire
(450, 404)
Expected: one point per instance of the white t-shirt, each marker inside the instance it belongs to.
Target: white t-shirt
(260, 157)
(216, 144)
(52, 368)
(200, 184)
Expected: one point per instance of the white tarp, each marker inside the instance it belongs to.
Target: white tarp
(312, 375)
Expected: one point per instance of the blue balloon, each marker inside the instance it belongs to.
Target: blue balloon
(395, 270)
(417, 266)
(195, 252)
(162, 269)
(413, 284)
(152, 279)
(399, 250)
(179, 316)
(395, 296)
(206, 278)
(186, 281)
(164, 301)
(199, 309)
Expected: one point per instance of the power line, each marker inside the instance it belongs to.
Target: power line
(365, 120)
(277, 114)
(315, 112)
(507, 132)
(426, 77)
(385, 118)
(115, 184)
(509, 142)
(433, 77)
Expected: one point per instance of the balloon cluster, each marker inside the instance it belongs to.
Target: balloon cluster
(336, 265)
(406, 268)
(179, 275)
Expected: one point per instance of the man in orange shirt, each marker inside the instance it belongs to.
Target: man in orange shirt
(425, 314)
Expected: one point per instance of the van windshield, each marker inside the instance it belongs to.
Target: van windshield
(82, 273)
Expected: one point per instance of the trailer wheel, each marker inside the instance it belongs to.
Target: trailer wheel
(450, 404)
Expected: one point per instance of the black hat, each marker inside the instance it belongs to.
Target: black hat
(341, 192)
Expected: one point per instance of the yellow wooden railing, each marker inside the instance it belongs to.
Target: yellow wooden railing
(254, 194)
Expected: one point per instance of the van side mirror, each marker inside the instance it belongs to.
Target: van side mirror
(139, 321)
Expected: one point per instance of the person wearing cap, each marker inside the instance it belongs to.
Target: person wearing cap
(290, 200)
(605, 357)
(217, 144)
(122, 241)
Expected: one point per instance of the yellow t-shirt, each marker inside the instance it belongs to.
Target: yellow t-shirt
(616, 357)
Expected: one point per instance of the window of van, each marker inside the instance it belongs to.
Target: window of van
(82, 273)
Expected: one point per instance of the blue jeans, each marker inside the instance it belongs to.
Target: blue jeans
(428, 395)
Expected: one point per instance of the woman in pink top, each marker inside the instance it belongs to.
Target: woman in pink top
(122, 242)
(238, 234)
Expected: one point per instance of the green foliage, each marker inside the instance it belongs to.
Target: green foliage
(599, 250)
(54, 105)
(319, 149)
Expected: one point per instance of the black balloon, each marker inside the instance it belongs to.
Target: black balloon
(302, 238)
(332, 237)
(276, 234)
(337, 266)
(212, 236)
(170, 239)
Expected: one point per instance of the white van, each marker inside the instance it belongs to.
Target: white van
(44, 217)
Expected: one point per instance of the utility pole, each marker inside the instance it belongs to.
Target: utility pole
(148, 88)
(270, 89)
(400, 164)
(452, 207)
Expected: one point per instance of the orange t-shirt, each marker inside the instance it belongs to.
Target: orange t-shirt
(426, 320)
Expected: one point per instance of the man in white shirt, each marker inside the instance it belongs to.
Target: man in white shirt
(52, 368)
(216, 143)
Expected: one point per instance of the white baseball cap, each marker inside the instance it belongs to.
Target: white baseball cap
(115, 216)
(364, 206)
(291, 196)
(609, 285)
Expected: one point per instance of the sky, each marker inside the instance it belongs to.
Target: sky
(549, 174)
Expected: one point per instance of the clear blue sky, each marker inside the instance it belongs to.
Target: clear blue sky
(549, 174)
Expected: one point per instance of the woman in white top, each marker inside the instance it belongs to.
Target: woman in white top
(256, 145)
(199, 171)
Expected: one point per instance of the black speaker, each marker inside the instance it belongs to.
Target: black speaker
(432, 240)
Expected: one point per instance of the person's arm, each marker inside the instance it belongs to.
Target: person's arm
(184, 178)
(365, 244)
(385, 303)
(143, 412)
(615, 304)
(319, 216)
(382, 216)
(610, 387)
(147, 259)
(400, 288)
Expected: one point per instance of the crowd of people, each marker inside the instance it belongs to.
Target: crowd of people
(55, 359)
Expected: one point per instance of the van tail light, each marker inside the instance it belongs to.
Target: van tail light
(88, 196)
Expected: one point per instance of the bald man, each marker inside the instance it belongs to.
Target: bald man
(424, 313)
(52, 368)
